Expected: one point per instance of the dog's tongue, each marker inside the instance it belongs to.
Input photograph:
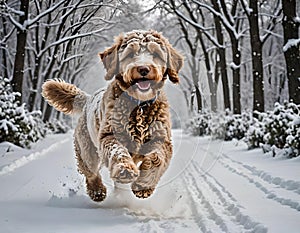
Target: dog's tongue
(143, 85)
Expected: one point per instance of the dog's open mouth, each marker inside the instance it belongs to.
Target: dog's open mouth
(143, 84)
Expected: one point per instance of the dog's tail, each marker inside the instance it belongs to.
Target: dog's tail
(64, 97)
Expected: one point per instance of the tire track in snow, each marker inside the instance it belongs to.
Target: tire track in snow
(28, 158)
(220, 205)
(271, 191)
(290, 185)
(264, 182)
(232, 207)
(164, 225)
(200, 206)
(150, 227)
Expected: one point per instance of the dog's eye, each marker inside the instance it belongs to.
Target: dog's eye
(127, 55)
(130, 54)
(155, 55)
(158, 55)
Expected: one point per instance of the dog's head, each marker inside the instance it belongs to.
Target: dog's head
(141, 62)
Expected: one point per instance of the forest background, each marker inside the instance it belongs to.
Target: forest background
(242, 62)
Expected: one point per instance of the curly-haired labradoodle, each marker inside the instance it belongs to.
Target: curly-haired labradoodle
(127, 126)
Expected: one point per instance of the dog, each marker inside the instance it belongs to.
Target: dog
(127, 126)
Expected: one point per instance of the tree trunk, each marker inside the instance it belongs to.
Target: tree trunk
(199, 98)
(192, 103)
(236, 90)
(212, 83)
(34, 86)
(38, 66)
(195, 75)
(194, 63)
(4, 69)
(214, 90)
(257, 63)
(18, 73)
(291, 52)
(186, 98)
(47, 113)
(222, 59)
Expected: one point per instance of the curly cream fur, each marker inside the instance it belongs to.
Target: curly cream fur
(114, 131)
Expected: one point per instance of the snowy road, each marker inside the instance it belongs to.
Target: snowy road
(210, 186)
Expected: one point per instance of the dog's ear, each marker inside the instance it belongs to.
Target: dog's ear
(110, 61)
(175, 63)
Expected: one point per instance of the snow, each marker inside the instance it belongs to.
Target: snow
(28, 158)
(233, 66)
(290, 43)
(297, 19)
(6, 125)
(210, 186)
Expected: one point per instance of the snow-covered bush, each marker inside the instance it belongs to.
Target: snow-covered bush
(17, 125)
(236, 125)
(199, 124)
(229, 126)
(281, 129)
(277, 123)
(276, 131)
(254, 137)
(290, 114)
(292, 145)
(57, 126)
(217, 126)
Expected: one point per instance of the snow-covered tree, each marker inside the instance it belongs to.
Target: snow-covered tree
(212, 42)
(50, 39)
(256, 53)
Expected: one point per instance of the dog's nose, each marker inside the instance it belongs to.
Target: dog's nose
(143, 70)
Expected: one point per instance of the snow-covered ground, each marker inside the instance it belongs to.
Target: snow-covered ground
(210, 186)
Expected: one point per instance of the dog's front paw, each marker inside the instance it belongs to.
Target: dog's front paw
(141, 192)
(97, 195)
(95, 189)
(125, 172)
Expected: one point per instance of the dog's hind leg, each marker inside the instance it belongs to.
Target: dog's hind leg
(88, 162)
(95, 188)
